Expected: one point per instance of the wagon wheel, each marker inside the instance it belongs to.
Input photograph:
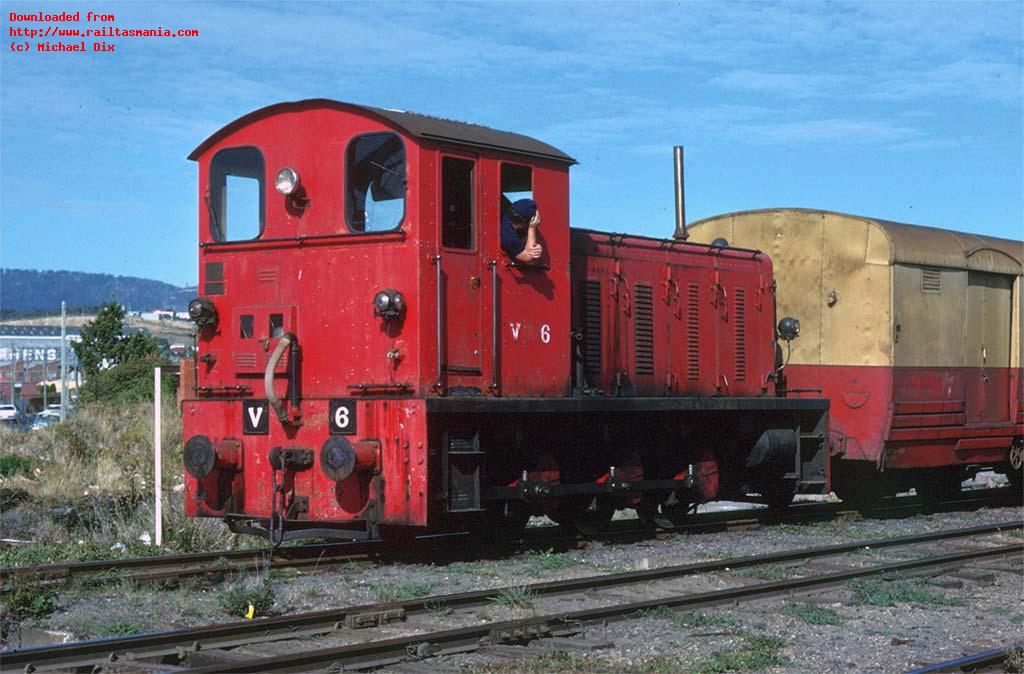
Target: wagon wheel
(1015, 473)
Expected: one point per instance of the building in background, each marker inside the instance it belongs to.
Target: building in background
(30, 356)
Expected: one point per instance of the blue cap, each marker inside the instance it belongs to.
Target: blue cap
(525, 208)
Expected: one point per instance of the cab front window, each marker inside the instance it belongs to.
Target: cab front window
(375, 182)
(236, 195)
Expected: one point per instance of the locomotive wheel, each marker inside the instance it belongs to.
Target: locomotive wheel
(506, 520)
(668, 514)
(936, 485)
(779, 494)
(588, 516)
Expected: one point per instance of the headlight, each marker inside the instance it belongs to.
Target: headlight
(789, 329)
(202, 312)
(287, 181)
(388, 304)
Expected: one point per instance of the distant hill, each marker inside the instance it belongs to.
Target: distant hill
(28, 292)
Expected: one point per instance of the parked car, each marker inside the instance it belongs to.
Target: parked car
(12, 423)
(8, 411)
(44, 420)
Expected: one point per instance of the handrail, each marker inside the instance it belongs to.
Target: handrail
(494, 324)
(440, 363)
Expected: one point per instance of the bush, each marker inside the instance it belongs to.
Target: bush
(128, 382)
(237, 599)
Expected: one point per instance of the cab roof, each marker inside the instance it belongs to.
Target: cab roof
(420, 126)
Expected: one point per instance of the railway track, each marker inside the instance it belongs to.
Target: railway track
(181, 645)
(986, 661)
(168, 568)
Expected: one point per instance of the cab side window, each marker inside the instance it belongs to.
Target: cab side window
(236, 194)
(375, 182)
(457, 203)
(516, 184)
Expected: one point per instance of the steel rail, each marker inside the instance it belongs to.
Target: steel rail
(419, 646)
(181, 642)
(193, 564)
(164, 567)
(970, 663)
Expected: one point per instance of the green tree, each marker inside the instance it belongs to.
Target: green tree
(100, 339)
(118, 368)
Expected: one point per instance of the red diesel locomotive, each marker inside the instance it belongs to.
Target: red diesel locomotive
(368, 357)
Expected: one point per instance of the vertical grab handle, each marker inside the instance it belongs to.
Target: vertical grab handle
(439, 385)
(494, 324)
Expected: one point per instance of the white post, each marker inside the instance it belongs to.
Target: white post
(63, 359)
(158, 511)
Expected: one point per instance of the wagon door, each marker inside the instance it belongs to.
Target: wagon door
(460, 271)
(989, 310)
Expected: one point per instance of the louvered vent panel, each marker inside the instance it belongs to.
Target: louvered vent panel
(740, 323)
(643, 330)
(592, 325)
(692, 332)
(267, 275)
(245, 361)
(931, 281)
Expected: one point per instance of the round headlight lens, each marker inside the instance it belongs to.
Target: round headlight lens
(382, 300)
(287, 181)
(398, 301)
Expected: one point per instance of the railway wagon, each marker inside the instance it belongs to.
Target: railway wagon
(368, 358)
(914, 333)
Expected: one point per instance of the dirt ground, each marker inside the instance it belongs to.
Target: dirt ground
(839, 630)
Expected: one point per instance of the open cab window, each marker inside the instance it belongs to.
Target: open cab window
(516, 184)
(375, 182)
(236, 194)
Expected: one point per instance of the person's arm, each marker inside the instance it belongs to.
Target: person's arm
(533, 250)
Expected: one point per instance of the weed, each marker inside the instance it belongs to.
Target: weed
(482, 615)
(471, 569)
(1017, 618)
(812, 614)
(769, 572)
(516, 596)
(29, 598)
(241, 595)
(438, 609)
(690, 618)
(549, 560)
(758, 652)
(879, 592)
(120, 628)
(386, 591)
(16, 464)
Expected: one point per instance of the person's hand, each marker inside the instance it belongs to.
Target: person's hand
(534, 251)
(535, 220)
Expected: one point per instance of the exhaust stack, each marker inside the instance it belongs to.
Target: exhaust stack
(677, 156)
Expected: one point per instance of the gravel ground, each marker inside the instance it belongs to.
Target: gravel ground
(979, 611)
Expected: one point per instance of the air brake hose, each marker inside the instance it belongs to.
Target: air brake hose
(268, 376)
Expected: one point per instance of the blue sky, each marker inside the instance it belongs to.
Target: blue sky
(902, 110)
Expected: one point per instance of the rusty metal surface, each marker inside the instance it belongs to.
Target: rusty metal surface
(421, 126)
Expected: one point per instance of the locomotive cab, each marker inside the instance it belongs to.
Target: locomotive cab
(350, 256)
